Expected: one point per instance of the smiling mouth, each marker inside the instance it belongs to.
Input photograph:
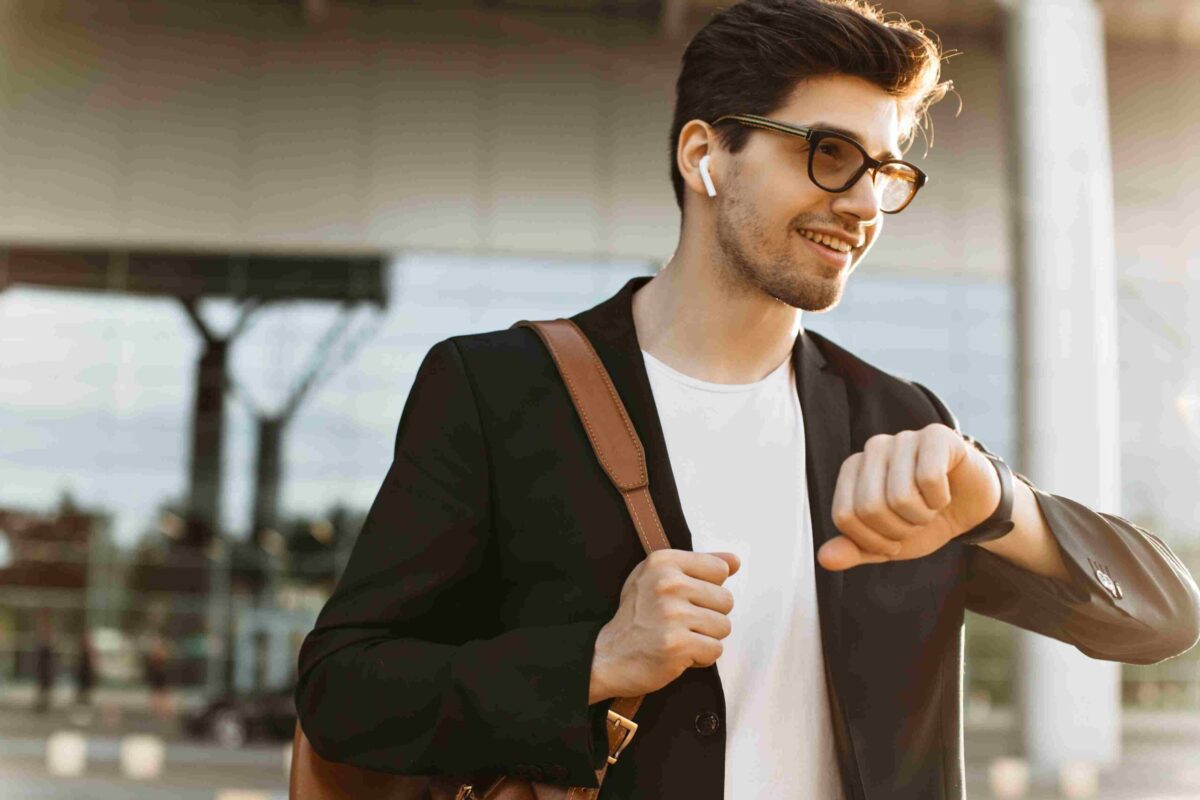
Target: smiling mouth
(838, 259)
(828, 242)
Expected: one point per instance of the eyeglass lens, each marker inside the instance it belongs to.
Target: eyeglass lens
(835, 162)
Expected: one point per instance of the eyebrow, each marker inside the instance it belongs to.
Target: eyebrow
(853, 135)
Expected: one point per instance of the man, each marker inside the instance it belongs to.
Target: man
(802, 636)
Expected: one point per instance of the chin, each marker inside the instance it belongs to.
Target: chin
(820, 295)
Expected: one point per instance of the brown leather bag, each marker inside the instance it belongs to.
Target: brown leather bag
(620, 452)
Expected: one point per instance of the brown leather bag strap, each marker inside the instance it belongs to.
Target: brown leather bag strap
(620, 452)
(606, 421)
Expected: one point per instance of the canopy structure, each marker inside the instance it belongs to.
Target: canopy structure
(259, 277)
(252, 280)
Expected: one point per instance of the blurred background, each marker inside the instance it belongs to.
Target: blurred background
(229, 232)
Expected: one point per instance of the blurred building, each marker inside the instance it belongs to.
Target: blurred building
(45, 576)
(490, 160)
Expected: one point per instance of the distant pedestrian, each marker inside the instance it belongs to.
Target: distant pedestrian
(85, 671)
(44, 663)
(156, 677)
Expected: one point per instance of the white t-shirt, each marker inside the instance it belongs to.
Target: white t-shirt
(737, 453)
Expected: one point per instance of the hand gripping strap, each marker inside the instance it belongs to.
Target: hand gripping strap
(620, 452)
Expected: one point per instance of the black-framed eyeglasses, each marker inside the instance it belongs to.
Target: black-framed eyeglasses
(836, 162)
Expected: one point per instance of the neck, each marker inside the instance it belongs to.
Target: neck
(698, 319)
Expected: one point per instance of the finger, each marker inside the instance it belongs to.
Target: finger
(903, 495)
(708, 567)
(708, 595)
(841, 553)
(934, 455)
(845, 510)
(710, 623)
(871, 501)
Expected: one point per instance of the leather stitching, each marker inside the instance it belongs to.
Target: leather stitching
(578, 405)
(612, 393)
(637, 522)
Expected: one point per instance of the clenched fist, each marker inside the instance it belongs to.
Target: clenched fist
(672, 616)
(905, 495)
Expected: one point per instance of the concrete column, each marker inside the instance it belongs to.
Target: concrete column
(1062, 217)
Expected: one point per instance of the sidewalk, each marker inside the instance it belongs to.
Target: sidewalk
(1160, 752)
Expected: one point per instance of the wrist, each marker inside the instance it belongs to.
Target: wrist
(999, 522)
(598, 690)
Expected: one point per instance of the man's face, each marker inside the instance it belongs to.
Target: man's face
(766, 198)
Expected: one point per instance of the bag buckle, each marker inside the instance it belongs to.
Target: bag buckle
(630, 727)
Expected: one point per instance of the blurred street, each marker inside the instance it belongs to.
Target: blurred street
(1161, 755)
(191, 767)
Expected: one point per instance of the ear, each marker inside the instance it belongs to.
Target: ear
(695, 157)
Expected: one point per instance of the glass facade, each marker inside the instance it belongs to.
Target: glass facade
(116, 613)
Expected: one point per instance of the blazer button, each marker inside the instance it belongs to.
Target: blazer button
(707, 723)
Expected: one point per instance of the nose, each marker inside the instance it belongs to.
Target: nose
(860, 200)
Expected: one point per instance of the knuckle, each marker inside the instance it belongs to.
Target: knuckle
(877, 441)
(906, 498)
(873, 509)
(657, 559)
(673, 611)
(722, 568)
(673, 642)
(668, 584)
(926, 475)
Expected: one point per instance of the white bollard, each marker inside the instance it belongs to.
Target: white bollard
(66, 753)
(142, 756)
(1077, 779)
(1008, 777)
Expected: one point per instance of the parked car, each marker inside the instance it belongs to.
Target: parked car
(234, 719)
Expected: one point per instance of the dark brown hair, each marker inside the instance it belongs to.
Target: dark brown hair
(748, 58)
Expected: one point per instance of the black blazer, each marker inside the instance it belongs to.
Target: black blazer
(461, 634)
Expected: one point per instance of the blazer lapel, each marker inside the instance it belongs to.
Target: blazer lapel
(827, 444)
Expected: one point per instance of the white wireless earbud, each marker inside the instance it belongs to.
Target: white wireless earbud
(704, 176)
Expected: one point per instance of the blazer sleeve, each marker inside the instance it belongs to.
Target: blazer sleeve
(402, 672)
(1129, 598)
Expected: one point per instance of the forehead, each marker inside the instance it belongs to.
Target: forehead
(851, 104)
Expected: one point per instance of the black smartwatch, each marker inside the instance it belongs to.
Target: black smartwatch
(1000, 522)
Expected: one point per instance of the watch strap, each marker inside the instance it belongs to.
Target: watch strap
(1000, 522)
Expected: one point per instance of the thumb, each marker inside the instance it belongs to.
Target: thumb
(731, 559)
(841, 553)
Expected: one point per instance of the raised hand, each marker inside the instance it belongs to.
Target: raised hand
(907, 494)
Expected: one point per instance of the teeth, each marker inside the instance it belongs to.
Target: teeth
(828, 241)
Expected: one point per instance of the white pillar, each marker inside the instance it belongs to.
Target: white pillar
(1066, 285)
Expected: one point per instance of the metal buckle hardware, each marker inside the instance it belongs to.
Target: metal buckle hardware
(629, 725)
